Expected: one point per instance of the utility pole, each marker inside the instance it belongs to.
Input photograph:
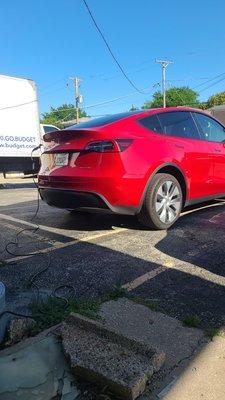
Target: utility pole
(164, 64)
(78, 98)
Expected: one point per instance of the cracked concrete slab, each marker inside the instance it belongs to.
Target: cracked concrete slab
(204, 377)
(36, 369)
(179, 343)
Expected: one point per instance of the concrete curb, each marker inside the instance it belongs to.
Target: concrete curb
(103, 356)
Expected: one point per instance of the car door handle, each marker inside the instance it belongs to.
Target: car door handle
(179, 146)
(217, 150)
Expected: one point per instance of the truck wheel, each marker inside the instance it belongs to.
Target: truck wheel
(162, 203)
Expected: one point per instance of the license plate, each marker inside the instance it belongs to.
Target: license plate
(61, 159)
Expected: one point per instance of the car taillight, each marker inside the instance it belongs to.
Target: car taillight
(108, 146)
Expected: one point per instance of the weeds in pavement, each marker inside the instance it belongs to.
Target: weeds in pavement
(54, 310)
(116, 293)
(145, 302)
(2, 263)
(119, 292)
(211, 332)
(192, 321)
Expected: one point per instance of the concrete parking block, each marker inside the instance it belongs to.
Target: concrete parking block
(138, 322)
(105, 357)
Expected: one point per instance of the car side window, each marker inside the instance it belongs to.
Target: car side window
(152, 123)
(178, 123)
(172, 123)
(211, 129)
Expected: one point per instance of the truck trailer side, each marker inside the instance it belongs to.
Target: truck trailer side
(19, 125)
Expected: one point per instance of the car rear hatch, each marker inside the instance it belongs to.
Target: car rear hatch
(69, 140)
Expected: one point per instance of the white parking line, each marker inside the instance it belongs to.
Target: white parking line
(196, 209)
(143, 278)
(28, 232)
(57, 245)
(168, 262)
(33, 225)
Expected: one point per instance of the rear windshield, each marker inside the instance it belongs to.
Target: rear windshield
(108, 119)
(49, 128)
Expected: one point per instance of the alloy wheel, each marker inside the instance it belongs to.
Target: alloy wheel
(168, 202)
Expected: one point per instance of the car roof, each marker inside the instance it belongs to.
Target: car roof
(125, 116)
(177, 108)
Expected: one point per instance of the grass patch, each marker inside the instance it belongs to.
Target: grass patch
(119, 292)
(211, 332)
(192, 321)
(115, 294)
(88, 308)
(145, 302)
(53, 310)
(2, 263)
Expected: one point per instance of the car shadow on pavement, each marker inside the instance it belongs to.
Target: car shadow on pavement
(67, 220)
(92, 221)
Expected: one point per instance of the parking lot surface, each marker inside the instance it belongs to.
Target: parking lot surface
(181, 271)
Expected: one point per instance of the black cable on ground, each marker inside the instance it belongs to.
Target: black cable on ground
(34, 276)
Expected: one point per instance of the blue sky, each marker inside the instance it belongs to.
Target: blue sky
(50, 40)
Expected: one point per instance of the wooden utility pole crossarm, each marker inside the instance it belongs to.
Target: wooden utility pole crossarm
(164, 64)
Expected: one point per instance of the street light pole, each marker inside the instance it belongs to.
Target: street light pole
(164, 64)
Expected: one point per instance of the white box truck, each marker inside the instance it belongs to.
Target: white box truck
(19, 125)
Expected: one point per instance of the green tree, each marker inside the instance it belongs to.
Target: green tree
(65, 112)
(203, 105)
(175, 96)
(133, 108)
(216, 100)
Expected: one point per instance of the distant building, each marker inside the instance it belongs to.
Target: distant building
(218, 112)
(71, 122)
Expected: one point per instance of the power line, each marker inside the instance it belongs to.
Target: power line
(53, 83)
(104, 102)
(109, 49)
(65, 118)
(115, 99)
(213, 84)
(209, 80)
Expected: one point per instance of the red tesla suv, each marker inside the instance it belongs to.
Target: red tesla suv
(148, 163)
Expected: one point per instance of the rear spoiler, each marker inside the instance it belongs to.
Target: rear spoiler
(65, 134)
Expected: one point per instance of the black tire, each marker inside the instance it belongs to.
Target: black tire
(148, 215)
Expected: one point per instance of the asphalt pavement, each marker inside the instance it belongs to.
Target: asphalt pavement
(182, 271)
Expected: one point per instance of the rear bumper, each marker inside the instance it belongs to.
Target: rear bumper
(72, 199)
